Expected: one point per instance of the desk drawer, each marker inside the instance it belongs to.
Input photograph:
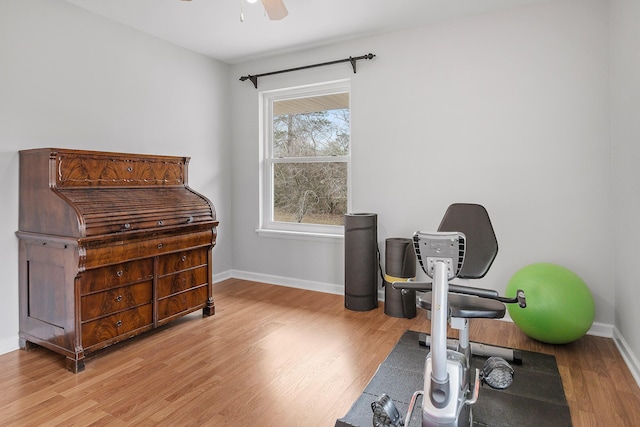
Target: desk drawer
(101, 304)
(182, 281)
(129, 250)
(116, 275)
(117, 324)
(182, 302)
(179, 261)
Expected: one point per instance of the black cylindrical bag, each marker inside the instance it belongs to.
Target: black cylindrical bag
(400, 265)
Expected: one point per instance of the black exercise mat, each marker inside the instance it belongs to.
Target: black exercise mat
(536, 397)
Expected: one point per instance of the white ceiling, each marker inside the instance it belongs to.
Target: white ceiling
(213, 27)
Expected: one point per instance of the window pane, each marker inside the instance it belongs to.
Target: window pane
(310, 193)
(302, 128)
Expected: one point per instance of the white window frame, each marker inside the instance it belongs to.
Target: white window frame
(267, 226)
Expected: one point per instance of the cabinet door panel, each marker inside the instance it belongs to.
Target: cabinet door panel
(104, 303)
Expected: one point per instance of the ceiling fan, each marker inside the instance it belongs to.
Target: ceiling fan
(275, 9)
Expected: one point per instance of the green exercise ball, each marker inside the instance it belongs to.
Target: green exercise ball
(560, 307)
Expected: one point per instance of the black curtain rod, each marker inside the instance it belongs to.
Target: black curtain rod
(254, 78)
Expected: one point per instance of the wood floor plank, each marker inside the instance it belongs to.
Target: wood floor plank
(272, 356)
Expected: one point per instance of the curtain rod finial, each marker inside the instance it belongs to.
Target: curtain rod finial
(254, 80)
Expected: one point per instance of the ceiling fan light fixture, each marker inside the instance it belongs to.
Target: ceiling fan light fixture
(276, 10)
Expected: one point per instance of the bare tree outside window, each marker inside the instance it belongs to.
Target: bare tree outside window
(314, 190)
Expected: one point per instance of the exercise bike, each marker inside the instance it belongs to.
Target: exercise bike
(468, 252)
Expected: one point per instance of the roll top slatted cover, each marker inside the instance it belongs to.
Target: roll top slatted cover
(116, 210)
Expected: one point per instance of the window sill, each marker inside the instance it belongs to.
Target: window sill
(300, 235)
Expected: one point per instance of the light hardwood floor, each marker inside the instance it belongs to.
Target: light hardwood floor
(271, 356)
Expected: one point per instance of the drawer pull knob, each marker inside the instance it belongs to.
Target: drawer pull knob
(119, 298)
(190, 219)
(119, 273)
(160, 223)
(129, 169)
(184, 258)
(127, 226)
(118, 323)
(159, 245)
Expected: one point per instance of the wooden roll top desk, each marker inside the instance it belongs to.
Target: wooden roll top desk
(110, 245)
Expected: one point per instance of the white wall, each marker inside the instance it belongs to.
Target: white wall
(625, 132)
(509, 109)
(71, 79)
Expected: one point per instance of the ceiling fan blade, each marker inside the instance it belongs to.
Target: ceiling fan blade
(275, 9)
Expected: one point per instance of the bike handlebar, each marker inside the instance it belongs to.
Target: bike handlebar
(465, 290)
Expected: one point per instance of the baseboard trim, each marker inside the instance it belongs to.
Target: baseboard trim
(601, 330)
(627, 354)
(221, 276)
(289, 282)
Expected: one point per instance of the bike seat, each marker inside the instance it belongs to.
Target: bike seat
(467, 306)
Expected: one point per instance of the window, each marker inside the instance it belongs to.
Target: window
(305, 159)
